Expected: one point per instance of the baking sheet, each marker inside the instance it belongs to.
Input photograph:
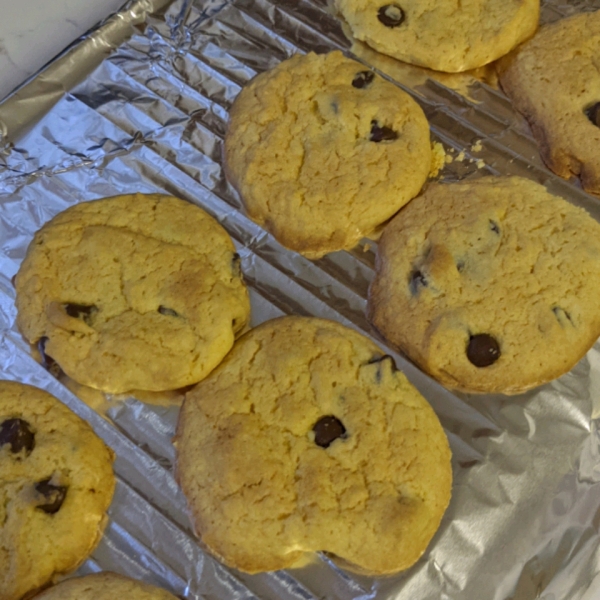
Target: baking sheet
(146, 110)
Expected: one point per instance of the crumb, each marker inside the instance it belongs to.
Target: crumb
(438, 158)
(476, 147)
(480, 164)
(367, 247)
(460, 156)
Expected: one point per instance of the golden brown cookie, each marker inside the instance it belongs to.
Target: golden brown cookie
(306, 438)
(132, 292)
(323, 151)
(554, 81)
(104, 586)
(490, 285)
(442, 34)
(56, 483)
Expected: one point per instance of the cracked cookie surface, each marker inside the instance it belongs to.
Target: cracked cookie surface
(56, 483)
(442, 34)
(104, 586)
(490, 285)
(323, 151)
(554, 81)
(306, 438)
(132, 292)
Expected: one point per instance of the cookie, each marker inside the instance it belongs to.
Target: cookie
(323, 150)
(553, 80)
(56, 483)
(490, 285)
(135, 292)
(306, 438)
(104, 586)
(441, 34)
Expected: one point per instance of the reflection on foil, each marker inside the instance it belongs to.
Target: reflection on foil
(145, 110)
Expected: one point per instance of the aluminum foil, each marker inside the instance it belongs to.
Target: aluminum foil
(140, 105)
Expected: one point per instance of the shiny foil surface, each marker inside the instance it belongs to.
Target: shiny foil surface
(140, 105)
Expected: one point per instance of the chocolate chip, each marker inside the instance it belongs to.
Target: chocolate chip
(18, 434)
(363, 79)
(53, 496)
(378, 360)
(416, 282)
(494, 226)
(327, 430)
(168, 312)
(391, 15)
(562, 316)
(460, 265)
(483, 350)
(381, 134)
(236, 265)
(81, 311)
(593, 113)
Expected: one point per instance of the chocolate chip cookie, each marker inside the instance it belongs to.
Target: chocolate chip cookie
(135, 292)
(441, 34)
(56, 483)
(553, 80)
(490, 285)
(306, 438)
(104, 586)
(323, 150)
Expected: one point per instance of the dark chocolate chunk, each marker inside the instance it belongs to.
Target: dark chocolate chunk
(168, 312)
(81, 311)
(378, 360)
(382, 134)
(363, 79)
(327, 430)
(494, 226)
(391, 15)
(593, 113)
(236, 265)
(18, 434)
(483, 350)
(562, 316)
(416, 282)
(53, 496)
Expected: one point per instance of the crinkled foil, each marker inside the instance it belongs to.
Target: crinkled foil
(141, 104)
